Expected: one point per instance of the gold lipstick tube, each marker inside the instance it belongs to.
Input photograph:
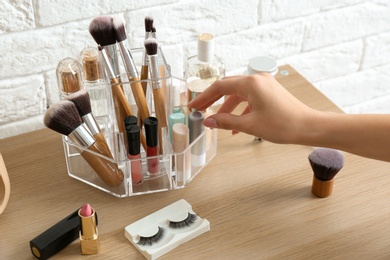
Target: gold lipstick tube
(88, 234)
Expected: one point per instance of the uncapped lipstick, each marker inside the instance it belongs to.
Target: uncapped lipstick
(88, 231)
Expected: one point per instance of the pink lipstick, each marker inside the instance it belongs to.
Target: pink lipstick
(88, 231)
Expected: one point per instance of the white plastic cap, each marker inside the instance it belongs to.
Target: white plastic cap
(205, 47)
(262, 64)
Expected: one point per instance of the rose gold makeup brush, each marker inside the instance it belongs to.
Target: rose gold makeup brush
(83, 104)
(64, 118)
(151, 47)
(144, 67)
(326, 163)
(131, 69)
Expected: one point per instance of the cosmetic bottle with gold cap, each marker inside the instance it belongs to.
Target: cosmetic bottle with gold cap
(94, 81)
(69, 76)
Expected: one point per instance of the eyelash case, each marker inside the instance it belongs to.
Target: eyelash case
(165, 229)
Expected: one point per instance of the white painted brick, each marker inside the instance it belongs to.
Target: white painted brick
(377, 50)
(345, 24)
(274, 40)
(20, 127)
(379, 105)
(39, 50)
(52, 12)
(16, 15)
(181, 22)
(22, 98)
(276, 10)
(357, 87)
(328, 62)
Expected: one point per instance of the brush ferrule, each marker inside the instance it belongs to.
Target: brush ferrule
(107, 64)
(128, 61)
(82, 137)
(112, 58)
(91, 123)
(154, 71)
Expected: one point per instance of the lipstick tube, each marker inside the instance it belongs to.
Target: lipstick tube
(151, 132)
(133, 143)
(88, 231)
(198, 149)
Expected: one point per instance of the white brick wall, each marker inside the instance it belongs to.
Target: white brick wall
(341, 46)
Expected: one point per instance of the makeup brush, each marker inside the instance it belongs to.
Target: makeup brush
(102, 30)
(144, 67)
(151, 47)
(83, 104)
(326, 163)
(131, 69)
(64, 118)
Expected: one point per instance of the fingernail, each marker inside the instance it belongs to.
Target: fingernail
(210, 122)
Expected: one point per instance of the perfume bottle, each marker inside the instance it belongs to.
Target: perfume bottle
(94, 82)
(69, 77)
(205, 67)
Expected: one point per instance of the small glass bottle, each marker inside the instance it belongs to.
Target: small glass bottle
(94, 82)
(204, 66)
(69, 77)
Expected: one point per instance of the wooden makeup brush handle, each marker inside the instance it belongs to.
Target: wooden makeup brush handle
(99, 137)
(139, 96)
(124, 107)
(108, 171)
(144, 76)
(159, 106)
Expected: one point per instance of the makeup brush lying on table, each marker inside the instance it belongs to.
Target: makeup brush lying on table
(151, 46)
(83, 105)
(326, 163)
(64, 118)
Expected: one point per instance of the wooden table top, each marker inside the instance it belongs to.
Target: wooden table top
(256, 195)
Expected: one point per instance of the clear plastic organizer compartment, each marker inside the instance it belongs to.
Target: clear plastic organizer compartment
(124, 177)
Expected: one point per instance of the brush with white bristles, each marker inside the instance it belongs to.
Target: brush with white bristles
(151, 47)
(131, 70)
(64, 118)
(326, 163)
(83, 104)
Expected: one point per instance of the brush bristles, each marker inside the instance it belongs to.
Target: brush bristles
(151, 46)
(153, 29)
(82, 102)
(62, 117)
(326, 163)
(119, 28)
(102, 30)
(148, 24)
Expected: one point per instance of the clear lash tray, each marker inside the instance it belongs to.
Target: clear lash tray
(175, 170)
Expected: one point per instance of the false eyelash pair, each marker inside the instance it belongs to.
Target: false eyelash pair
(151, 240)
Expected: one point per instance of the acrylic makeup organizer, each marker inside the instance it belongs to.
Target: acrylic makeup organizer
(168, 176)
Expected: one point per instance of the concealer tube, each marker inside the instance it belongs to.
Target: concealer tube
(151, 131)
(198, 149)
(181, 140)
(133, 146)
(107, 170)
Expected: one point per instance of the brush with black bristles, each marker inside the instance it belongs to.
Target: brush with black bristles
(326, 163)
(83, 104)
(144, 67)
(151, 47)
(64, 118)
(102, 31)
(131, 69)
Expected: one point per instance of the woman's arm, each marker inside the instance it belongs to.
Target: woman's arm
(273, 114)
